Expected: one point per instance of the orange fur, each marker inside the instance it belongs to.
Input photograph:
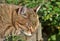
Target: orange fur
(11, 22)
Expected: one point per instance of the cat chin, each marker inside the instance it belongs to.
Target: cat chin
(27, 34)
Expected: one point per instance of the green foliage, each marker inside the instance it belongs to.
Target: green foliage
(14, 38)
(28, 3)
(55, 37)
(12, 2)
(51, 13)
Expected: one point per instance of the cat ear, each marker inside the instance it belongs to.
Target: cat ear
(22, 10)
(36, 9)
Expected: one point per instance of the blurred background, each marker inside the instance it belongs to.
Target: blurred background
(49, 16)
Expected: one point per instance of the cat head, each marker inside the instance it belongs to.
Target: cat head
(27, 20)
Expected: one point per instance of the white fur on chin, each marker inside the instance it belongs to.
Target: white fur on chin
(27, 34)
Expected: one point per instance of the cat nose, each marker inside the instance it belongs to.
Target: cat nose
(31, 29)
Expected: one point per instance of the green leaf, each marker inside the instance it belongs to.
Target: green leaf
(58, 3)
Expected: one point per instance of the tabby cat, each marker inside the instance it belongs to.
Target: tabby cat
(16, 19)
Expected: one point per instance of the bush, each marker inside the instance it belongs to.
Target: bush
(14, 38)
(51, 13)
